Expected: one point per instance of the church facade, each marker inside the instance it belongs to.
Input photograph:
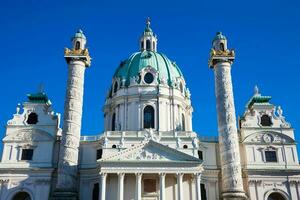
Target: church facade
(148, 150)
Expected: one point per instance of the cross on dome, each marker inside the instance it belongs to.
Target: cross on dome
(256, 90)
(148, 22)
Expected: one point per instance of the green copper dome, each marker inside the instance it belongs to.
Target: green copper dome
(132, 67)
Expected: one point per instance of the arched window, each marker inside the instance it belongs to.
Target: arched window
(181, 87)
(32, 118)
(222, 48)
(265, 120)
(21, 196)
(96, 191)
(113, 122)
(116, 87)
(77, 45)
(148, 45)
(148, 117)
(142, 44)
(276, 196)
(110, 93)
(182, 122)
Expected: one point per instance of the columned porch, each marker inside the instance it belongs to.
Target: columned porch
(150, 171)
(150, 186)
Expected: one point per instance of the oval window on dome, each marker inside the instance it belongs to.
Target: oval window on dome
(148, 78)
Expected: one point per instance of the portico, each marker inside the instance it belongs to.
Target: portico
(151, 177)
(140, 192)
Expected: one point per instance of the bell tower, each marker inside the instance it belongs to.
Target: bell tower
(78, 59)
(220, 61)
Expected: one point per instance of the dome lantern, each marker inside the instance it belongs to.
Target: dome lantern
(148, 40)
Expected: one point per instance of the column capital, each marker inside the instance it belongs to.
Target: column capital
(103, 174)
(162, 174)
(138, 173)
(121, 174)
(197, 175)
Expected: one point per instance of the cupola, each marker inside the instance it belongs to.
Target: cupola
(148, 40)
(220, 42)
(79, 40)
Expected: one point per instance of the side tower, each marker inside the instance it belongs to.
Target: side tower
(221, 60)
(78, 59)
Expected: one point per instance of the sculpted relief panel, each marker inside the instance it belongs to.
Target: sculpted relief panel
(268, 137)
(29, 135)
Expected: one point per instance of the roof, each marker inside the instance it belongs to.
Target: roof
(79, 34)
(219, 36)
(257, 98)
(132, 66)
(39, 97)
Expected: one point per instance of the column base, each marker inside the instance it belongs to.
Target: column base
(234, 196)
(64, 195)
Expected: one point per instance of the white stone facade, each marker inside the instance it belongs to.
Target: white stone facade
(148, 150)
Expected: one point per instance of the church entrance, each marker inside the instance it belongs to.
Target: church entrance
(21, 196)
(276, 196)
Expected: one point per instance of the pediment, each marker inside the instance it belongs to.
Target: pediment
(151, 151)
(28, 135)
(268, 137)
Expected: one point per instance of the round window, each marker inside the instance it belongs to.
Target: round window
(148, 78)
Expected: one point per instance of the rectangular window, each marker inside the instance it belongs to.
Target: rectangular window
(27, 154)
(271, 156)
(99, 154)
(200, 154)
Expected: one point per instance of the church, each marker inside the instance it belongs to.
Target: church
(148, 149)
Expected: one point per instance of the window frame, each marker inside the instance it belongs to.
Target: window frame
(99, 151)
(23, 150)
(271, 149)
(183, 122)
(113, 122)
(269, 118)
(154, 117)
(153, 78)
(29, 118)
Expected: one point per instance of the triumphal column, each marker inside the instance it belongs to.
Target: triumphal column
(220, 61)
(78, 60)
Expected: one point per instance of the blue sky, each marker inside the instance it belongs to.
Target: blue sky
(264, 34)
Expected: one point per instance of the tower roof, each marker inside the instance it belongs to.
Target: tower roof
(79, 34)
(219, 36)
(39, 97)
(258, 98)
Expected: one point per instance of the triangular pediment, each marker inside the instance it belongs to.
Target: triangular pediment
(151, 151)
